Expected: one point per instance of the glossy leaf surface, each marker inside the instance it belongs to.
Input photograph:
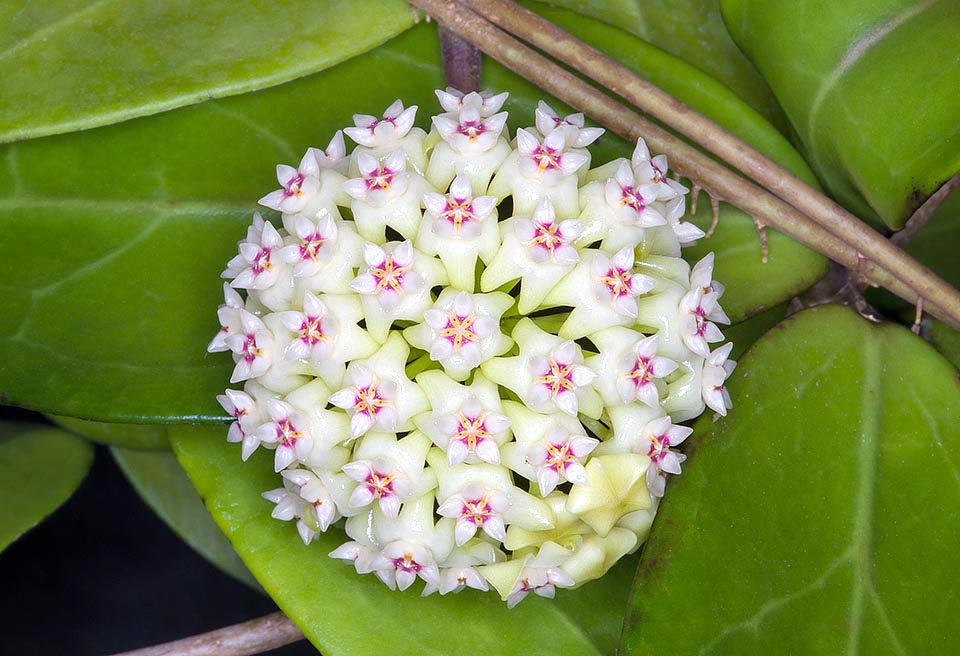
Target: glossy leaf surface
(163, 485)
(40, 468)
(796, 514)
(127, 436)
(344, 613)
(870, 86)
(131, 248)
(75, 64)
(692, 30)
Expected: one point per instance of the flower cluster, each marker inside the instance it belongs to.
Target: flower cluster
(475, 352)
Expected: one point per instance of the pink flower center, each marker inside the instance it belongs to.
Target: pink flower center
(641, 372)
(477, 510)
(459, 330)
(472, 129)
(311, 331)
(472, 430)
(250, 349)
(617, 281)
(559, 456)
(659, 447)
(547, 236)
(311, 245)
(546, 158)
(558, 377)
(407, 564)
(292, 187)
(458, 211)
(631, 197)
(389, 275)
(262, 262)
(379, 484)
(287, 433)
(369, 400)
(381, 179)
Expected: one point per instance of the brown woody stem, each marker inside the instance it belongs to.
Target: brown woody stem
(886, 265)
(253, 637)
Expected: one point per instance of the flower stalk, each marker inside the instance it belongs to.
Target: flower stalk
(791, 206)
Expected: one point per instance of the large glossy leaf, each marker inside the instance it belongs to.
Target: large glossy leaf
(113, 275)
(74, 64)
(39, 469)
(870, 86)
(343, 613)
(127, 436)
(693, 30)
(795, 523)
(114, 269)
(163, 485)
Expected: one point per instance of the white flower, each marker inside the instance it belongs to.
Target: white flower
(538, 251)
(452, 100)
(466, 131)
(317, 242)
(252, 348)
(247, 417)
(377, 392)
(654, 171)
(459, 227)
(695, 308)
(467, 422)
(559, 457)
(603, 291)
(633, 203)
(574, 133)
(476, 508)
(314, 489)
(716, 370)
(548, 374)
(540, 574)
(372, 132)
(254, 267)
(547, 162)
(229, 316)
(702, 276)
(299, 185)
(462, 330)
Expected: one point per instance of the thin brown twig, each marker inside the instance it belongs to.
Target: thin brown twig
(923, 213)
(252, 637)
(461, 61)
(715, 178)
(623, 82)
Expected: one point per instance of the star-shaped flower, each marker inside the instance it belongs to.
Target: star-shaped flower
(602, 290)
(252, 347)
(378, 137)
(616, 485)
(628, 367)
(548, 374)
(462, 330)
(466, 422)
(385, 195)
(229, 316)
(577, 136)
(396, 285)
(459, 228)
(654, 171)
(488, 103)
(377, 392)
(541, 574)
(539, 251)
(389, 471)
(299, 185)
(716, 370)
(255, 267)
(695, 308)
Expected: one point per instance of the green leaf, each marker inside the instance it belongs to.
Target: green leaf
(40, 468)
(114, 275)
(75, 64)
(847, 75)
(162, 484)
(936, 243)
(946, 339)
(344, 613)
(128, 436)
(130, 247)
(692, 30)
(797, 517)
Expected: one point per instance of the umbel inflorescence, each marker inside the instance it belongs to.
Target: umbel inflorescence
(474, 352)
